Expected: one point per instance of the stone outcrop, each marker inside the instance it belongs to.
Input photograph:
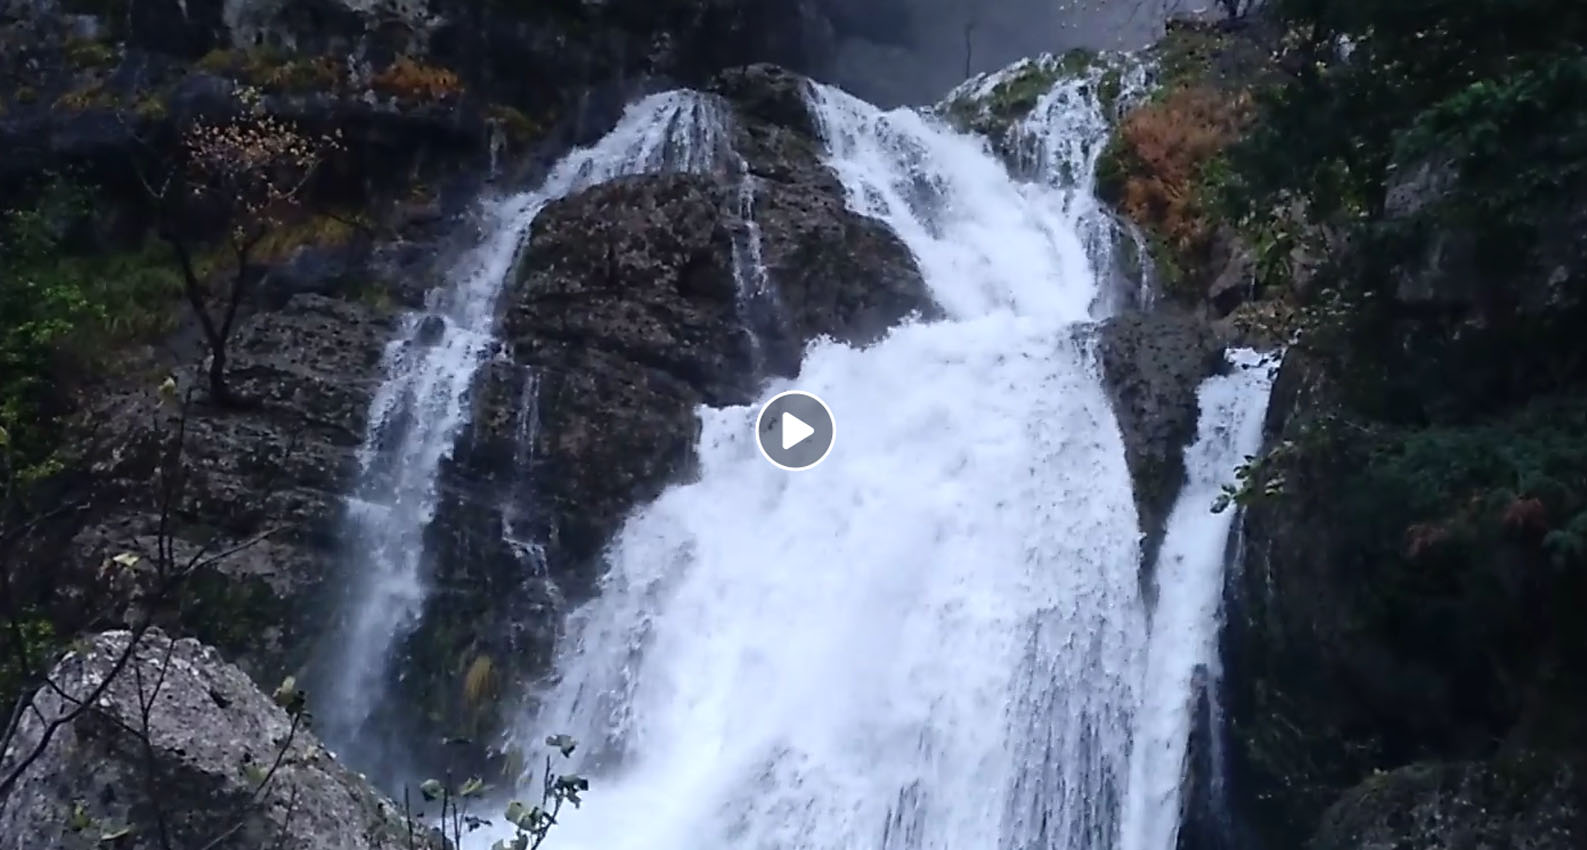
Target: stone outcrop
(256, 498)
(1152, 365)
(189, 769)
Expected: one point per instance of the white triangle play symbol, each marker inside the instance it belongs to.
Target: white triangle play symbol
(794, 431)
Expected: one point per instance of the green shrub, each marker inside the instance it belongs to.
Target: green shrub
(64, 316)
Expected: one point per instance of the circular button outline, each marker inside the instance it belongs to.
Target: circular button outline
(760, 418)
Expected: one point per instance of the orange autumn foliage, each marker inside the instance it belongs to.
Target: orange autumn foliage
(1164, 146)
(410, 80)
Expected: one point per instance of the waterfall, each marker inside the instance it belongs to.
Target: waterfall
(1182, 654)
(422, 405)
(935, 640)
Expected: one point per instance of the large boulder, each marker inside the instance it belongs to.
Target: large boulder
(1152, 366)
(174, 752)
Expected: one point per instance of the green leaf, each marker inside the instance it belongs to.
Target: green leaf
(431, 789)
(471, 788)
(289, 696)
(79, 819)
(524, 817)
(563, 743)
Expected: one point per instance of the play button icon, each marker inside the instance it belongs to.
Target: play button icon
(795, 430)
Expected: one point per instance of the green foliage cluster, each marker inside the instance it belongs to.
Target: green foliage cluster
(64, 314)
(1371, 89)
(1488, 92)
(1456, 489)
(39, 310)
(88, 53)
(531, 822)
(37, 634)
(275, 71)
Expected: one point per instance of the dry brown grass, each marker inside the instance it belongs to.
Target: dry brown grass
(480, 682)
(1162, 148)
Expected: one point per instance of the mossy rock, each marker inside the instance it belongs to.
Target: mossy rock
(83, 54)
(993, 112)
(520, 130)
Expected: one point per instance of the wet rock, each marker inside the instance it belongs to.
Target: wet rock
(768, 94)
(1152, 366)
(194, 761)
(628, 314)
(1524, 802)
(431, 329)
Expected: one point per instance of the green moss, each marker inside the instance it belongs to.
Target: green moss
(520, 128)
(151, 107)
(1114, 167)
(1016, 96)
(1077, 61)
(83, 53)
(218, 61)
(1186, 53)
(310, 74)
(374, 295)
(282, 242)
(1110, 88)
(91, 95)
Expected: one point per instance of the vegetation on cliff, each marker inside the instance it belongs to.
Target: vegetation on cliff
(1404, 206)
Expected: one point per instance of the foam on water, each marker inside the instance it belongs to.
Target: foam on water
(935, 638)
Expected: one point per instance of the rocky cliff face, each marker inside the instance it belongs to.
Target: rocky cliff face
(252, 500)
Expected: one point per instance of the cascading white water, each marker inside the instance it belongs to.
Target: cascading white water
(1059, 142)
(1189, 579)
(933, 640)
(416, 415)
